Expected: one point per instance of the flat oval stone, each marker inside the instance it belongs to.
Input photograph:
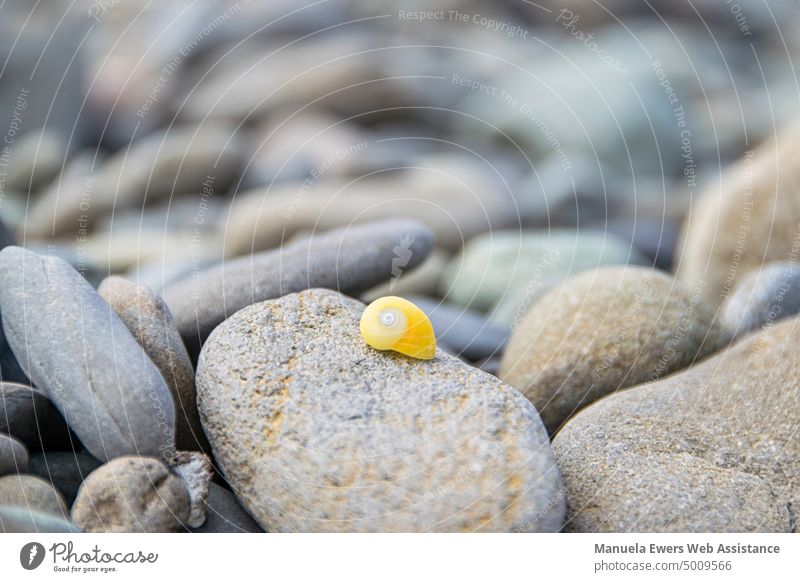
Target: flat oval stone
(79, 352)
(151, 323)
(351, 260)
(316, 431)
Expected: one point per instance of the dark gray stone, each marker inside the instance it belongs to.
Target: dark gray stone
(225, 515)
(65, 470)
(28, 415)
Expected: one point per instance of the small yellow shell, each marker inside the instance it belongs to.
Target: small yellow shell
(393, 323)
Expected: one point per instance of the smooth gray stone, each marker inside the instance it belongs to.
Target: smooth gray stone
(225, 514)
(350, 260)
(713, 448)
(465, 332)
(13, 456)
(65, 470)
(79, 352)
(15, 519)
(28, 415)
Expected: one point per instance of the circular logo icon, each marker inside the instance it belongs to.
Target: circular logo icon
(31, 555)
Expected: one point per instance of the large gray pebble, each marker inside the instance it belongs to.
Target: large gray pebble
(131, 494)
(350, 259)
(762, 298)
(320, 432)
(28, 415)
(33, 493)
(224, 514)
(13, 456)
(152, 324)
(602, 331)
(745, 219)
(74, 347)
(711, 449)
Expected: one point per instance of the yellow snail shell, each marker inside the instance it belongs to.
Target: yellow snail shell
(393, 323)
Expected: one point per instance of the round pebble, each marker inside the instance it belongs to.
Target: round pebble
(134, 495)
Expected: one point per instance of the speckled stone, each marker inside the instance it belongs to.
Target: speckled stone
(13, 456)
(711, 449)
(763, 297)
(350, 260)
(131, 494)
(604, 330)
(322, 433)
(77, 350)
(746, 219)
(32, 493)
(28, 415)
(151, 323)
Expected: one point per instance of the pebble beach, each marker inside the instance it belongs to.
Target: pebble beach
(592, 211)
